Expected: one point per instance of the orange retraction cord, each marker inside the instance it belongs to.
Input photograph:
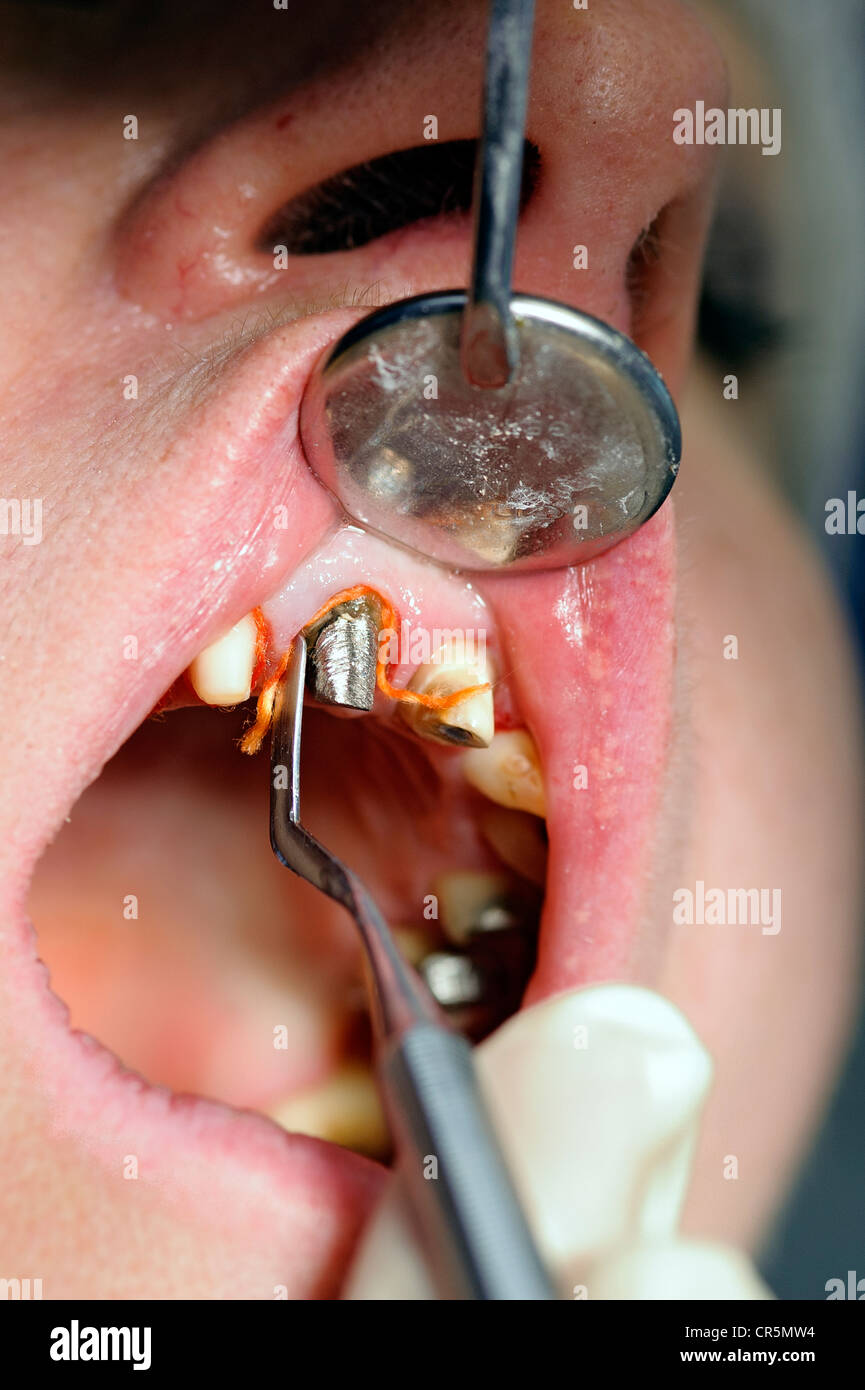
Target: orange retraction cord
(389, 622)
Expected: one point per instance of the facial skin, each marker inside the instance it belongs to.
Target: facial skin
(143, 258)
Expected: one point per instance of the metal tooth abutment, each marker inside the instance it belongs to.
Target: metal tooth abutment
(343, 655)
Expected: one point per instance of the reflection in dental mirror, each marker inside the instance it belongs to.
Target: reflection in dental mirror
(574, 453)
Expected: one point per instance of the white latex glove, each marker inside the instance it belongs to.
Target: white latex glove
(596, 1096)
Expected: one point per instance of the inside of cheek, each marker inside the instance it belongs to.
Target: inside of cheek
(177, 940)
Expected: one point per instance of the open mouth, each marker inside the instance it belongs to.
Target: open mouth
(508, 873)
(217, 1042)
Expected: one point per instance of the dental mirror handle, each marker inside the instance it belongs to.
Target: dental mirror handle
(489, 344)
(475, 1236)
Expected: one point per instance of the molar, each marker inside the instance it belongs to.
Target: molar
(474, 904)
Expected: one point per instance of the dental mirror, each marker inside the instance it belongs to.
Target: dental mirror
(483, 429)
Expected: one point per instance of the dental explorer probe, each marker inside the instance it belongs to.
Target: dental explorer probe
(468, 1217)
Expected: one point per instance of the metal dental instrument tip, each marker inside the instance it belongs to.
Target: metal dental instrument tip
(474, 1232)
(488, 430)
(489, 342)
(343, 655)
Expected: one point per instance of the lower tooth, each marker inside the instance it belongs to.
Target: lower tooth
(518, 839)
(479, 989)
(344, 1108)
(508, 771)
(473, 904)
(454, 981)
(221, 674)
(414, 943)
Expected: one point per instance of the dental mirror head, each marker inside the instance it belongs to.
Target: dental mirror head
(573, 453)
(483, 429)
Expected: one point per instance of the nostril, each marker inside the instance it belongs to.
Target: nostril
(641, 269)
(383, 195)
(661, 279)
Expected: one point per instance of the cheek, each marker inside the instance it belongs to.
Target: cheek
(66, 177)
(772, 765)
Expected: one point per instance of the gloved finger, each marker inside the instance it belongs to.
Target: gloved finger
(596, 1096)
(675, 1269)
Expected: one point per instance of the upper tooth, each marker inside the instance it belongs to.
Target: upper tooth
(342, 657)
(470, 722)
(508, 771)
(221, 674)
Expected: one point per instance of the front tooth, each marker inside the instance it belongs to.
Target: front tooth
(508, 772)
(472, 904)
(471, 722)
(344, 1108)
(221, 674)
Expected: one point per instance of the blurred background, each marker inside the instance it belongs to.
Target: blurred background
(784, 306)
